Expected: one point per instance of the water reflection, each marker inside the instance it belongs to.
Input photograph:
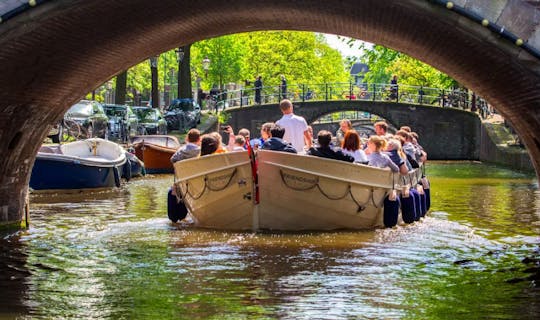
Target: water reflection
(113, 254)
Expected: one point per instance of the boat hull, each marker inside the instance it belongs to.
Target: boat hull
(156, 152)
(309, 193)
(217, 190)
(54, 174)
(296, 192)
(91, 163)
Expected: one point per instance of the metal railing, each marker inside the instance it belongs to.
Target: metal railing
(455, 98)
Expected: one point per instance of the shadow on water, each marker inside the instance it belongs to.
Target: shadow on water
(113, 254)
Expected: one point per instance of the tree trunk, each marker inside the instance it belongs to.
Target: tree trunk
(121, 85)
(184, 74)
(155, 87)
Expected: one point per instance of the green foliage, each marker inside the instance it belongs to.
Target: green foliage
(223, 117)
(225, 60)
(384, 62)
(303, 57)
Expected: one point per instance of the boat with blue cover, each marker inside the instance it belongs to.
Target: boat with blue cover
(85, 164)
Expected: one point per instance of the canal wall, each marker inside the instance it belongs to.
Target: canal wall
(495, 147)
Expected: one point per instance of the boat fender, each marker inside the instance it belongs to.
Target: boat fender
(425, 184)
(417, 207)
(422, 194)
(176, 209)
(127, 170)
(391, 209)
(408, 210)
(116, 173)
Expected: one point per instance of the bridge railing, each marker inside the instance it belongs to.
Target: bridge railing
(456, 98)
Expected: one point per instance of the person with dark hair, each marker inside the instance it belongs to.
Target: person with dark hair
(209, 144)
(258, 87)
(191, 149)
(276, 141)
(324, 138)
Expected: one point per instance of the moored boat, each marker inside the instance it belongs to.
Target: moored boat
(156, 151)
(134, 167)
(217, 190)
(91, 163)
(296, 192)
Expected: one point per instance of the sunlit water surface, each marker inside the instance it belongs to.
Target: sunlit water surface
(115, 255)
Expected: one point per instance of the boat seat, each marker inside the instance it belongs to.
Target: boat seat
(49, 149)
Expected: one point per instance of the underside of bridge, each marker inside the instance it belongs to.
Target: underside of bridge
(54, 53)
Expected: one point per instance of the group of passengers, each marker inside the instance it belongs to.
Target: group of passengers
(399, 152)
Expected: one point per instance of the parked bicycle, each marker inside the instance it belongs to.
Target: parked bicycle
(66, 130)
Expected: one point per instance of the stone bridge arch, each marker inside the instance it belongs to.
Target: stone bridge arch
(445, 133)
(52, 52)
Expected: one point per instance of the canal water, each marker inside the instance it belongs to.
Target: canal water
(115, 255)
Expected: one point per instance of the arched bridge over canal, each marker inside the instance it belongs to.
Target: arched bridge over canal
(445, 133)
(53, 52)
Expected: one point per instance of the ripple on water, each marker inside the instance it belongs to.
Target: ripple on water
(115, 255)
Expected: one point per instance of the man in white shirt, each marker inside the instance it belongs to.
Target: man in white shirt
(296, 128)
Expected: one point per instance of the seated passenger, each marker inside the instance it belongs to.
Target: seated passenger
(239, 143)
(257, 143)
(393, 149)
(378, 159)
(276, 142)
(351, 146)
(344, 126)
(209, 144)
(191, 149)
(221, 147)
(421, 152)
(323, 150)
(412, 153)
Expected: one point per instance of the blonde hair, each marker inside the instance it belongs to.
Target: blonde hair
(378, 142)
(395, 144)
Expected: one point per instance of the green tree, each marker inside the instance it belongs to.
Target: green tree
(225, 56)
(303, 57)
(384, 62)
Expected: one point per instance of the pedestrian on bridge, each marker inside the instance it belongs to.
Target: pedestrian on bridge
(283, 87)
(258, 87)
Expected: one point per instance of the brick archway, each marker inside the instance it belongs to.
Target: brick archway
(53, 54)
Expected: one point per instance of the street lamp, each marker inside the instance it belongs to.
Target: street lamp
(154, 73)
(206, 66)
(179, 55)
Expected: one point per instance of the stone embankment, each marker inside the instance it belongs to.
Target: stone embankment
(499, 145)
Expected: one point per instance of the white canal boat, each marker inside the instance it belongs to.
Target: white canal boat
(296, 192)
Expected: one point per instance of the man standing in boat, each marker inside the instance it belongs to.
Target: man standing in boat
(296, 128)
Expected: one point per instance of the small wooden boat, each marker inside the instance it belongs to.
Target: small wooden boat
(296, 192)
(217, 190)
(91, 163)
(156, 151)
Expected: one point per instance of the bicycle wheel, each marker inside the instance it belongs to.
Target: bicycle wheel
(71, 130)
